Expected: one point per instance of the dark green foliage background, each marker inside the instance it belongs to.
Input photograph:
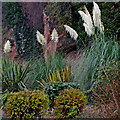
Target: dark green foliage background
(24, 34)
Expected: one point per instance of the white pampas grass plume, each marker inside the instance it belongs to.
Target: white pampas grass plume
(87, 12)
(54, 35)
(7, 47)
(84, 16)
(40, 38)
(101, 28)
(71, 31)
(88, 21)
(97, 17)
(87, 29)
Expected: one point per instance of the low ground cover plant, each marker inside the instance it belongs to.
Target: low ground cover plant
(29, 104)
(69, 103)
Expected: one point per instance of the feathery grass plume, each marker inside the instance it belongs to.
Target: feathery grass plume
(87, 30)
(84, 16)
(7, 47)
(87, 12)
(54, 35)
(101, 27)
(71, 31)
(97, 17)
(40, 38)
(88, 21)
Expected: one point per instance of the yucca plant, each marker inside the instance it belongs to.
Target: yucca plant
(13, 76)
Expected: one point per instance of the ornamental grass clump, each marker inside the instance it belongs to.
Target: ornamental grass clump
(69, 103)
(29, 104)
(62, 76)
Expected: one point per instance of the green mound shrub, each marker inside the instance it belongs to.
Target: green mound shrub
(27, 104)
(53, 89)
(4, 99)
(69, 103)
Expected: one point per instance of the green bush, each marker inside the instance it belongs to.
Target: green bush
(69, 103)
(5, 96)
(53, 89)
(107, 88)
(13, 76)
(27, 104)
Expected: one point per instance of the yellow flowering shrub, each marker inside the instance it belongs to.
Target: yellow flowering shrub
(27, 104)
(69, 103)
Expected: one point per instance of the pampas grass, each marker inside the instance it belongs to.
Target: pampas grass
(101, 52)
(97, 17)
(87, 22)
(71, 31)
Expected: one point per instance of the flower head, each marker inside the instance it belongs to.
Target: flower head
(40, 38)
(84, 16)
(101, 27)
(71, 31)
(87, 21)
(7, 47)
(87, 29)
(87, 13)
(96, 15)
(54, 35)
